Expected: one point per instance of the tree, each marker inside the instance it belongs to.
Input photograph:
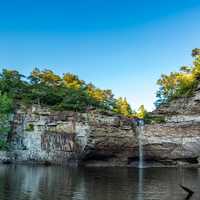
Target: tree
(179, 84)
(104, 97)
(186, 69)
(11, 83)
(46, 77)
(196, 67)
(77, 100)
(195, 52)
(142, 112)
(68, 92)
(167, 88)
(45, 87)
(6, 108)
(123, 107)
(72, 81)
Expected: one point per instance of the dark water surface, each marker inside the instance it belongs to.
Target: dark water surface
(18, 182)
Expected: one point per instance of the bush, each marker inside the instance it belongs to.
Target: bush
(30, 127)
(154, 119)
(3, 145)
(6, 107)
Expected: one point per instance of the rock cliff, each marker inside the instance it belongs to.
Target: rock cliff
(95, 139)
(177, 141)
(71, 138)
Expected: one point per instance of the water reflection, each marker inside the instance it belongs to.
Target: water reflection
(140, 184)
(57, 183)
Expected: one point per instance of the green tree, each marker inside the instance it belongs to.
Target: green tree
(6, 108)
(44, 87)
(142, 112)
(196, 67)
(11, 83)
(195, 52)
(179, 84)
(123, 107)
(68, 92)
(105, 98)
(77, 100)
(46, 77)
(72, 81)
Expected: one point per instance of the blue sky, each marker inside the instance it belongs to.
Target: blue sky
(117, 44)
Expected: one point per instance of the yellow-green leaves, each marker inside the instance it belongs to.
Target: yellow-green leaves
(72, 81)
(142, 112)
(46, 76)
(182, 83)
(123, 107)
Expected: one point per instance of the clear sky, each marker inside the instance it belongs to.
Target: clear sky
(123, 45)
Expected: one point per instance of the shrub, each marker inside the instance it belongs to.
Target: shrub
(3, 145)
(30, 127)
(154, 119)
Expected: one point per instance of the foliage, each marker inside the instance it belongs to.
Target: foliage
(5, 104)
(104, 97)
(5, 110)
(11, 84)
(4, 124)
(122, 107)
(142, 112)
(3, 145)
(150, 119)
(77, 100)
(47, 77)
(195, 52)
(66, 92)
(6, 107)
(72, 81)
(179, 84)
(30, 127)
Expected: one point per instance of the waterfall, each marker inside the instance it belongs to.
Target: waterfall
(140, 131)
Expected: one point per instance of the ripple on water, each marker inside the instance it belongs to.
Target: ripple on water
(59, 183)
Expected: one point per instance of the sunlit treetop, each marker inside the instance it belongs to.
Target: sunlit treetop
(72, 81)
(179, 84)
(66, 92)
(46, 76)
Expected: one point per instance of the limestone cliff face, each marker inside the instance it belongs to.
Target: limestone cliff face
(177, 140)
(185, 106)
(71, 138)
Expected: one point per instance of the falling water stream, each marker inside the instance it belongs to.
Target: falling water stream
(140, 135)
(140, 141)
(140, 131)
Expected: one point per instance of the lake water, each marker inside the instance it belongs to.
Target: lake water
(19, 182)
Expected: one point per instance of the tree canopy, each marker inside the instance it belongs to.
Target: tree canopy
(179, 84)
(66, 92)
(6, 108)
(123, 107)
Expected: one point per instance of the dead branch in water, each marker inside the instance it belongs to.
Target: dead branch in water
(189, 191)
